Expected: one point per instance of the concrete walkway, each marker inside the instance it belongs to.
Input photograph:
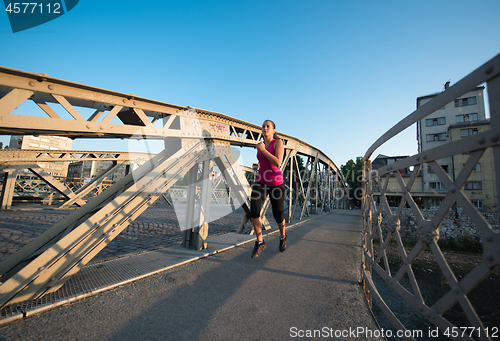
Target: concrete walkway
(310, 289)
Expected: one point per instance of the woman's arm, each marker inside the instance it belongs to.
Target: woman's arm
(278, 150)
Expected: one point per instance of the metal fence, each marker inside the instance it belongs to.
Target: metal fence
(389, 262)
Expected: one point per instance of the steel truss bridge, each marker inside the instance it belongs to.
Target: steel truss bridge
(195, 143)
(195, 140)
(377, 240)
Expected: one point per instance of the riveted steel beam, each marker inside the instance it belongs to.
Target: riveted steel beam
(24, 156)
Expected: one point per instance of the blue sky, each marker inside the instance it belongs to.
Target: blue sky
(335, 74)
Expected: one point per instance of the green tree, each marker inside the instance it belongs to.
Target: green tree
(353, 175)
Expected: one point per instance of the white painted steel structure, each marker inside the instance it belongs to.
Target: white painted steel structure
(377, 240)
(194, 140)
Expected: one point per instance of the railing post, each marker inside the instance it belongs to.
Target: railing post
(290, 192)
(494, 102)
(367, 227)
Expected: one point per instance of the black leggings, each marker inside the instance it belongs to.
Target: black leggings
(276, 195)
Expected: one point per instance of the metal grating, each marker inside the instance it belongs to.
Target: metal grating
(99, 277)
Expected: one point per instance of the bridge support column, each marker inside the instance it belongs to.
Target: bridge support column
(197, 214)
(9, 183)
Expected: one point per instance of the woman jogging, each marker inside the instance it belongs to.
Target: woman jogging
(269, 181)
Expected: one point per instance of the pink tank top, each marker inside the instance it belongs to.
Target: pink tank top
(268, 174)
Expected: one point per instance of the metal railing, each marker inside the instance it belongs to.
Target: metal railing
(389, 262)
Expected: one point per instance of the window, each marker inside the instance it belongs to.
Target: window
(436, 137)
(477, 203)
(437, 202)
(468, 132)
(476, 169)
(431, 171)
(435, 121)
(462, 102)
(473, 185)
(435, 185)
(466, 118)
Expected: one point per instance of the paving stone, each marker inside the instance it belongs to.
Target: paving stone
(155, 228)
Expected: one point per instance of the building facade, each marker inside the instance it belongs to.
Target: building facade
(463, 117)
(480, 186)
(392, 186)
(85, 170)
(44, 142)
(432, 130)
(459, 119)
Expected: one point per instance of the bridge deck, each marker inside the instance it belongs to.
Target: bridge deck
(313, 285)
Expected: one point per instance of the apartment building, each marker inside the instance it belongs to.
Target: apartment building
(459, 119)
(85, 170)
(47, 143)
(432, 131)
(463, 117)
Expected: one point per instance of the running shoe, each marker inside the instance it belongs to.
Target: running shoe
(283, 244)
(258, 248)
